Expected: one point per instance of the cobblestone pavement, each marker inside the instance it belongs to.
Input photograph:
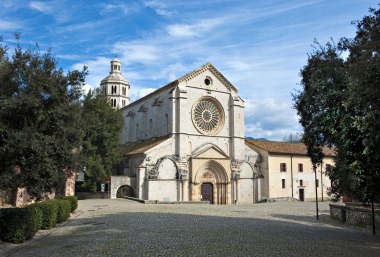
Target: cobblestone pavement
(125, 228)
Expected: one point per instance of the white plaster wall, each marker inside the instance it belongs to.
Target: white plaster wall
(307, 176)
(117, 182)
(163, 190)
(167, 170)
(245, 190)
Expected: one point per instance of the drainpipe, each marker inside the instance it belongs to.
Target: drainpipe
(291, 172)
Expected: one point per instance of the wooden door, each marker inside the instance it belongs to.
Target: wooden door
(207, 193)
(301, 194)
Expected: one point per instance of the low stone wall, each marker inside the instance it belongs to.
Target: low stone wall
(354, 213)
(160, 202)
(278, 199)
(92, 195)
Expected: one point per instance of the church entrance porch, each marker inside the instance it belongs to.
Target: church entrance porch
(210, 183)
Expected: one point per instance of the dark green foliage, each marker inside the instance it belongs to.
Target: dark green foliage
(38, 215)
(49, 210)
(73, 201)
(64, 208)
(40, 118)
(102, 126)
(339, 105)
(18, 224)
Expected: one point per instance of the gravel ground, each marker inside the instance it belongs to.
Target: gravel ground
(126, 228)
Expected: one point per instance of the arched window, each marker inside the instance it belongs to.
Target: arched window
(113, 90)
(166, 130)
(126, 134)
(189, 147)
(150, 130)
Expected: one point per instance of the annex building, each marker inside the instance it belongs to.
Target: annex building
(185, 142)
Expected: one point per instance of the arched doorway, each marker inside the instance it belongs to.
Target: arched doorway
(210, 184)
(125, 190)
(207, 192)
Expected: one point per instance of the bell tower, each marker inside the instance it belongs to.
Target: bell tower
(115, 87)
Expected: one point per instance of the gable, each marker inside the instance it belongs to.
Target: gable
(211, 153)
(209, 78)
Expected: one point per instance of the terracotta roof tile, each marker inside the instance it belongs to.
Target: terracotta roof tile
(284, 147)
(140, 147)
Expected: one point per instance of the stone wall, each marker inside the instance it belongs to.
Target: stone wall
(355, 214)
(92, 195)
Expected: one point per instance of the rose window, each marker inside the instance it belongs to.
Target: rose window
(208, 115)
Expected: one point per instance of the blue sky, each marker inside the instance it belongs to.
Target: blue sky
(259, 45)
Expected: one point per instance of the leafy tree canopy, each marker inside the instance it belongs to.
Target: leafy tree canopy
(102, 126)
(40, 113)
(339, 105)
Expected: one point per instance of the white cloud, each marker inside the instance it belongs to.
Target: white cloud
(123, 7)
(137, 93)
(98, 68)
(137, 51)
(195, 29)
(41, 7)
(159, 7)
(270, 118)
(9, 25)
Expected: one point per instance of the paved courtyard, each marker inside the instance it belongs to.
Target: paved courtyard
(126, 228)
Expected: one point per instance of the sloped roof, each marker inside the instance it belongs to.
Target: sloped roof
(155, 92)
(285, 147)
(140, 147)
(114, 77)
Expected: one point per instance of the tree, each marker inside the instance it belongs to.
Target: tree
(103, 126)
(40, 132)
(339, 105)
(292, 138)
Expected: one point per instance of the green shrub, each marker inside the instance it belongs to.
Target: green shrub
(37, 217)
(73, 200)
(49, 211)
(64, 208)
(17, 224)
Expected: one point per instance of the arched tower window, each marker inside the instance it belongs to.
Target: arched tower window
(113, 90)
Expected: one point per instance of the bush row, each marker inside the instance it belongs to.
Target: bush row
(20, 224)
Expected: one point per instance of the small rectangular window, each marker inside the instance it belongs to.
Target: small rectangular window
(283, 167)
(301, 182)
(283, 183)
(317, 183)
(300, 167)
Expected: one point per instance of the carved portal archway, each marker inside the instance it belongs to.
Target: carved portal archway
(211, 173)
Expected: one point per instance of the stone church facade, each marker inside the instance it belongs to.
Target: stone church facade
(185, 142)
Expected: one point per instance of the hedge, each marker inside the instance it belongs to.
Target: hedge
(73, 200)
(64, 208)
(18, 224)
(49, 211)
(38, 215)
